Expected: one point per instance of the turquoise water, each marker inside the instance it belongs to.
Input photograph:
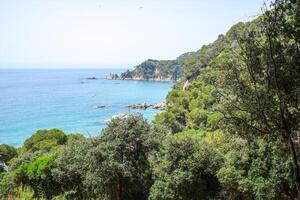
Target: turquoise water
(65, 99)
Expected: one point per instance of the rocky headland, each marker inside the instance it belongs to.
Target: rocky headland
(155, 70)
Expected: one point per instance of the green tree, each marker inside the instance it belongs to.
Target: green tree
(37, 175)
(45, 140)
(186, 168)
(119, 167)
(112, 166)
(260, 83)
(257, 170)
(72, 165)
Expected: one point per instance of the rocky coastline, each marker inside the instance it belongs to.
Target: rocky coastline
(113, 76)
(158, 106)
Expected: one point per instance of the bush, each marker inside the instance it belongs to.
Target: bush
(186, 168)
(45, 140)
(6, 154)
(37, 175)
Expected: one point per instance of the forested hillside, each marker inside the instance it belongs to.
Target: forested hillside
(230, 130)
(243, 90)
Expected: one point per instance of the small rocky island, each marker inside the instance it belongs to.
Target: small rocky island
(91, 78)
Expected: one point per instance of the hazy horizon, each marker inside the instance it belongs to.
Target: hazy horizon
(111, 34)
(61, 66)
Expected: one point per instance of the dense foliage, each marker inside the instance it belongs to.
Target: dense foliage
(247, 83)
(114, 165)
(230, 130)
(6, 154)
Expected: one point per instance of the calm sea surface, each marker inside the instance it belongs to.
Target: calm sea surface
(65, 99)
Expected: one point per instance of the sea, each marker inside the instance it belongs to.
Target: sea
(33, 99)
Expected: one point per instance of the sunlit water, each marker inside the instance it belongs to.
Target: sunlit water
(65, 99)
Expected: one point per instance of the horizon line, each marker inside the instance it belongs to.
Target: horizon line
(63, 66)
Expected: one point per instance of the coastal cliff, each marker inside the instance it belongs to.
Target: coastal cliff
(112, 76)
(155, 70)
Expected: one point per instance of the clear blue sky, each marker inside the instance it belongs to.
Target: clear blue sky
(112, 33)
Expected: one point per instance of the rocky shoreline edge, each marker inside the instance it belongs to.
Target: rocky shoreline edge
(113, 76)
(159, 106)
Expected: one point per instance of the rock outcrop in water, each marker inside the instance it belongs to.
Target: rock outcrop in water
(140, 106)
(112, 76)
(118, 116)
(92, 78)
(160, 106)
(100, 106)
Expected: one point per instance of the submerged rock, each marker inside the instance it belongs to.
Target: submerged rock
(100, 106)
(92, 78)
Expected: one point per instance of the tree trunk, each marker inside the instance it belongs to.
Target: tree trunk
(120, 190)
(296, 169)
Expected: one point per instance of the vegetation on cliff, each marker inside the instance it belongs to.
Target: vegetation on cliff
(160, 70)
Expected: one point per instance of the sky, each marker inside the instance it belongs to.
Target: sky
(111, 33)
